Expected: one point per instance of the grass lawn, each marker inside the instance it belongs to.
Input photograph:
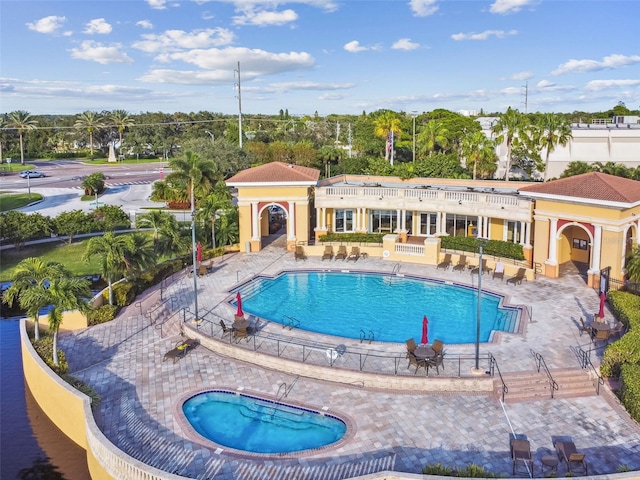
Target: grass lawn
(69, 255)
(17, 200)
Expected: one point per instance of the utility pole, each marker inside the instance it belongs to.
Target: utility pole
(239, 109)
(337, 133)
(414, 114)
(526, 96)
(349, 138)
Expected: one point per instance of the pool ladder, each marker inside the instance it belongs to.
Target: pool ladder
(290, 322)
(364, 336)
(396, 269)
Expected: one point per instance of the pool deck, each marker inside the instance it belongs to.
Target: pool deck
(394, 430)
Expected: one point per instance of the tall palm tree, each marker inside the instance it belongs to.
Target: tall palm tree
(66, 293)
(507, 129)
(91, 122)
(94, 184)
(556, 131)
(121, 120)
(478, 149)
(22, 122)
(433, 134)
(112, 250)
(213, 206)
(31, 278)
(140, 255)
(155, 219)
(385, 124)
(198, 175)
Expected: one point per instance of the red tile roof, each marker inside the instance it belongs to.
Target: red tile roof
(276, 172)
(592, 186)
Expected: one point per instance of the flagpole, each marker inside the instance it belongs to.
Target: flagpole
(391, 145)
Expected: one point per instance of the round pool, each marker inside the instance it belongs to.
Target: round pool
(388, 307)
(258, 425)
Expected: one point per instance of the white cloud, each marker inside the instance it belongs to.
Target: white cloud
(522, 76)
(405, 44)
(423, 8)
(354, 47)
(545, 86)
(157, 4)
(483, 35)
(97, 52)
(47, 24)
(598, 85)
(332, 96)
(265, 18)
(608, 62)
(99, 26)
(187, 77)
(243, 5)
(283, 87)
(503, 7)
(174, 40)
(146, 24)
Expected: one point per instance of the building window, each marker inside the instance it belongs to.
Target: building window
(580, 243)
(513, 232)
(383, 221)
(428, 223)
(461, 225)
(344, 221)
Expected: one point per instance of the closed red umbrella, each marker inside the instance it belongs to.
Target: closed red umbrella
(425, 322)
(199, 252)
(239, 313)
(603, 298)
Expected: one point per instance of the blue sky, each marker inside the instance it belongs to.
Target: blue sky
(325, 56)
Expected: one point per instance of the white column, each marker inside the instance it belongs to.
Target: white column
(254, 221)
(403, 220)
(318, 218)
(553, 243)
(443, 225)
(522, 228)
(324, 218)
(438, 223)
(292, 221)
(596, 248)
(487, 233)
(527, 239)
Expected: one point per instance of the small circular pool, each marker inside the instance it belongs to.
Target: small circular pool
(391, 307)
(258, 425)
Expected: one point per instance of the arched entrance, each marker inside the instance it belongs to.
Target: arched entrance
(276, 218)
(575, 247)
(631, 240)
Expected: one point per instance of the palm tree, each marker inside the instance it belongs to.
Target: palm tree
(113, 251)
(31, 278)
(122, 120)
(214, 205)
(21, 121)
(433, 134)
(94, 184)
(167, 236)
(633, 265)
(66, 293)
(140, 255)
(477, 148)
(199, 176)
(156, 219)
(89, 121)
(385, 124)
(556, 131)
(507, 129)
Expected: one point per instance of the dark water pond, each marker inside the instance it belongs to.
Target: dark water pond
(31, 447)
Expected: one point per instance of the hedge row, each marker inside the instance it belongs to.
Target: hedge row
(353, 237)
(497, 248)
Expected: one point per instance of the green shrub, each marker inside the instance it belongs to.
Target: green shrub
(437, 469)
(123, 293)
(44, 349)
(471, 471)
(496, 248)
(353, 237)
(630, 389)
(626, 308)
(84, 388)
(102, 314)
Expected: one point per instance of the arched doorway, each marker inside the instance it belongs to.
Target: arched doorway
(575, 246)
(274, 219)
(631, 237)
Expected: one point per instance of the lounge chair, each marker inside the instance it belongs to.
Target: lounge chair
(342, 253)
(299, 253)
(354, 255)
(202, 270)
(328, 253)
(521, 454)
(411, 346)
(518, 277)
(445, 263)
(498, 272)
(576, 462)
(462, 263)
(413, 360)
(584, 328)
(485, 269)
(181, 349)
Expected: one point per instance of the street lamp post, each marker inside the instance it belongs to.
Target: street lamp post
(481, 243)
(194, 248)
(213, 139)
(414, 114)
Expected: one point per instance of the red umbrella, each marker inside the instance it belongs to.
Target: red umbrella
(603, 298)
(425, 322)
(239, 313)
(199, 252)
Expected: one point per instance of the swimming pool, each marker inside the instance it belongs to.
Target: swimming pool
(391, 307)
(258, 425)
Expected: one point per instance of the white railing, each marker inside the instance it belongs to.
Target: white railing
(409, 249)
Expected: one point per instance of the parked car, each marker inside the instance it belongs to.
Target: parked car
(31, 174)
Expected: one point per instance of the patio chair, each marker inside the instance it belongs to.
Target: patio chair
(435, 362)
(584, 328)
(600, 335)
(485, 269)
(202, 270)
(498, 272)
(617, 330)
(413, 360)
(576, 462)
(521, 454)
(354, 255)
(462, 263)
(445, 263)
(328, 253)
(299, 253)
(342, 253)
(437, 346)
(225, 330)
(518, 277)
(411, 346)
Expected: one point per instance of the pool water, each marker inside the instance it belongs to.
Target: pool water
(389, 307)
(252, 424)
